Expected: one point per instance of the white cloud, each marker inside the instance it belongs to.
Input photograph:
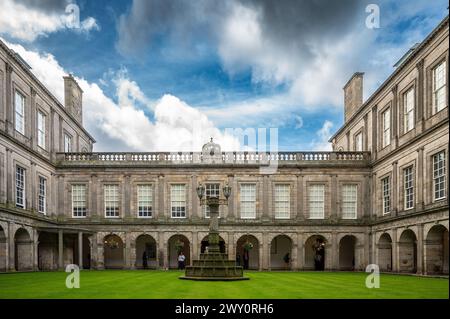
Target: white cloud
(323, 134)
(25, 22)
(176, 125)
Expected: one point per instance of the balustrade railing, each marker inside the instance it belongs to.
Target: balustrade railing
(223, 158)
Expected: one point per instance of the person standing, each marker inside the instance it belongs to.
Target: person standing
(144, 260)
(287, 259)
(181, 260)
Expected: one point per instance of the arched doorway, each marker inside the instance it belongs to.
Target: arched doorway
(408, 252)
(436, 250)
(347, 252)
(280, 249)
(177, 244)
(204, 243)
(48, 251)
(113, 252)
(3, 245)
(23, 250)
(247, 247)
(315, 253)
(385, 252)
(146, 243)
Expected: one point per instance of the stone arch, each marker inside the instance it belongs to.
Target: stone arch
(3, 249)
(315, 252)
(280, 246)
(347, 247)
(384, 251)
(178, 243)
(436, 250)
(204, 243)
(113, 252)
(23, 250)
(407, 247)
(252, 254)
(48, 251)
(146, 243)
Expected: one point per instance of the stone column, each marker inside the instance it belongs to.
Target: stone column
(33, 118)
(300, 214)
(420, 97)
(161, 207)
(374, 132)
(35, 250)
(60, 249)
(195, 246)
(266, 194)
(334, 208)
(126, 206)
(294, 254)
(395, 252)
(330, 261)
(100, 252)
(231, 246)
(420, 180)
(94, 252)
(9, 104)
(80, 250)
(394, 189)
(33, 181)
(93, 190)
(395, 116)
(11, 245)
(420, 249)
(366, 130)
(301, 251)
(334, 253)
(127, 250)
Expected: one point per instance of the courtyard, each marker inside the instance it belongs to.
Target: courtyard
(143, 284)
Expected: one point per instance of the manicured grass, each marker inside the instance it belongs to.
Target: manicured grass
(165, 284)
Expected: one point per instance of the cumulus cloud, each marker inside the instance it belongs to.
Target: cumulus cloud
(121, 124)
(311, 48)
(323, 135)
(28, 19)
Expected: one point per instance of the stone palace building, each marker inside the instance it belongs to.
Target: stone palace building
(381, 195)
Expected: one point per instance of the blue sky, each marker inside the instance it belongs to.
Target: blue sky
(172, 69)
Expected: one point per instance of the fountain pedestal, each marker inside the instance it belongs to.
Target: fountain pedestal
(214, 265)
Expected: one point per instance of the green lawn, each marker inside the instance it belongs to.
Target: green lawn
(165, 284)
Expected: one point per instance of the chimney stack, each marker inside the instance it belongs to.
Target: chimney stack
(353, 95)
(73, 98)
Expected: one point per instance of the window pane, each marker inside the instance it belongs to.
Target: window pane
(349, 201)
(41, 130)
(19, 106)
(248, 201)
(178, 200)
(79, 200)
(316, 201)
(439, 87)
(409, 187)
(386, 195)
(20, 187)
(42, 195)
(282, 201)
(145, 199)
(111, 200)
(439, 175)
(408, 110)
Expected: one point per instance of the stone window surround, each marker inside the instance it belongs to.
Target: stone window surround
(381, 196)
(39, 109)
(291, 188)
(429, 181)
(326, 212)
(401, 188)
(66, 133)
(69, 197)
(381, 112)
(401, 107)
(119, 198)
(18, 90)
(293, 184)
(359, 205)
(25, 181)
(186, 183)
(39, 176)
(257, 204)
(360, 131)
(134, 196)
(202, 208)
(429, 84)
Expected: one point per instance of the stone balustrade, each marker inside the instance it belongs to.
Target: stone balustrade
(170, 158)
